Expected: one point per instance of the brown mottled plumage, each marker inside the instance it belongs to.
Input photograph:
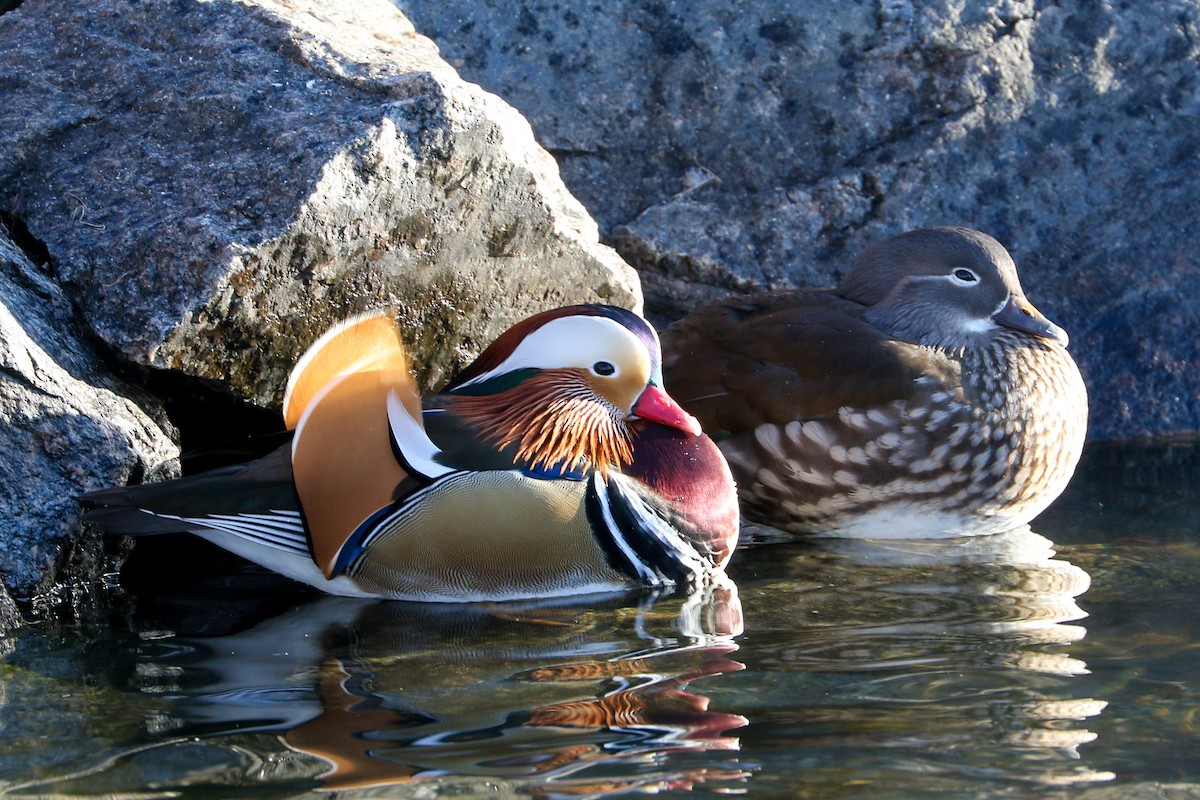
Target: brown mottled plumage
(924, 397)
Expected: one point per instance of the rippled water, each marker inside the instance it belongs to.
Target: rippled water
(1062, 661)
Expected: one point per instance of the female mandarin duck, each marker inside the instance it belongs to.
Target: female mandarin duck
(923, 397)
(554, 464)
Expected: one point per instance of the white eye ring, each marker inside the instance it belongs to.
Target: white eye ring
(964, 277)
(605, 369)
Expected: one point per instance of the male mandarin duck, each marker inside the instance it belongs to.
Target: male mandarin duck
(924, 397)
(554, 464)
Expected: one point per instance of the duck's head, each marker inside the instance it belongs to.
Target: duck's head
(564, 387)
(944, 287)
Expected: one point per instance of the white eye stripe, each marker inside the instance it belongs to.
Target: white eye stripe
(579, 342)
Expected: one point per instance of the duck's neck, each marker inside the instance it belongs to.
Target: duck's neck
(691, 486)
(1015, 374)
(1031, 393)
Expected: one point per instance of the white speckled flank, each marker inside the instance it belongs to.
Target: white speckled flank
(935, 466)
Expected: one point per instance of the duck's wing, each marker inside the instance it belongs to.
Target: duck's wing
(358, 436)
(366, 343)
(782, 356)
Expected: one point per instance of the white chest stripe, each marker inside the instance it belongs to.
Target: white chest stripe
(414, 444)
(648, 525)
(652, 578)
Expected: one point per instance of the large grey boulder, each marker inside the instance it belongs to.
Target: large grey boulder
(218, 182)
(209, 186)
(66, 426)
(728, 147)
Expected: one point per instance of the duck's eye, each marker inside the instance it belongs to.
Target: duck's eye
(603, 368)
(964, 276)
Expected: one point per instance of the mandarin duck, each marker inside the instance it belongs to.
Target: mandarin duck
(924, 397)
(554, 464)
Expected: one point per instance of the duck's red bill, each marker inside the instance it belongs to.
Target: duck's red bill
(658, 406)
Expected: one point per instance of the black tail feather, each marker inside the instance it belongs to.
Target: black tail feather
(265, 484)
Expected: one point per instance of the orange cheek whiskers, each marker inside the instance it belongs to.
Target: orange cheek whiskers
(551, 420)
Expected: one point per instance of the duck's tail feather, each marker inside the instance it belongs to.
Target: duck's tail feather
(250, 510)
(181, 505)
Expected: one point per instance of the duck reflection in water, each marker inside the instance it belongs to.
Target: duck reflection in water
(586, 698)
(928, 647)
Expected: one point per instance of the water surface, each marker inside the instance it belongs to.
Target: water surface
(1057, 661)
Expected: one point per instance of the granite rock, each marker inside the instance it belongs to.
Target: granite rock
(66, 426)
(218, 182)
(725, 148)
